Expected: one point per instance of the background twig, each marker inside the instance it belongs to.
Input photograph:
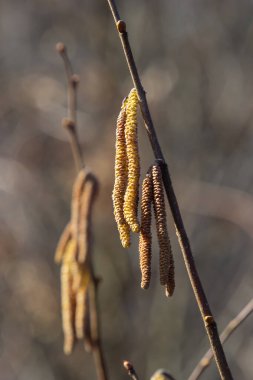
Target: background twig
(208, 319)
(229, 329)
(70, 124)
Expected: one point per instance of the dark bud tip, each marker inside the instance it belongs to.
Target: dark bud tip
(127, 365)
(169, 291)
(60, 47)
(75, 79)
(68, 124)
(121, 26)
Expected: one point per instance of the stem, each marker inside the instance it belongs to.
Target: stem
(208, 319)
(130, 370)
(70, 124)
(97, 351)
(229, 330)
(71, 121)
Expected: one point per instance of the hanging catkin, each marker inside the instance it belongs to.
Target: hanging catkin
(133, 163)
(63, 241)
(166, 262)
(81, 305)
(67, 298)
(85, 211)
(145, 231)
(121, 178)
(75, 201)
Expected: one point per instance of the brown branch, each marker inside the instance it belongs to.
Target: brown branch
(208, 319)
(70, 124)
(229, 329)
(130, 370)
(96, 348)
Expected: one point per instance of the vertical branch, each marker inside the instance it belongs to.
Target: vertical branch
(70, 122)
(98, 355)
(229, 329)
(70, 125)
(208, 319)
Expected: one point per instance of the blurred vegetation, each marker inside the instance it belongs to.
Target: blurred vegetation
(196, 62)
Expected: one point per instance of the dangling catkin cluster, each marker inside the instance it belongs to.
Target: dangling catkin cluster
(126, 196)
(73, 252)
(127, 170)
(152, 192)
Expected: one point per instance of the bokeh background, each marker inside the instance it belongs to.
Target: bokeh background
(196, 62)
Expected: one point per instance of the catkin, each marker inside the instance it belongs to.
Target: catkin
(166, 262)
(145, 231)
(62, 243)
(67, 298)
(86, 204)
(133, 163)
(121, 179)
(81, 305)
(77, 191)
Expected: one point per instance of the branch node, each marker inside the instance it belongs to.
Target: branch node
(121, 26)
(68, 124)
(160, 162)
(209, 320)
(75, 79)
(60, 47)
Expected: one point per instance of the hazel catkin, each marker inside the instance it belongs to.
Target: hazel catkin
(85, 211)
(121, 178)
(81, 305)
(62, 243)
(77, 191)
(145, 239)
(67, 298)
(166, 262)
(133, 163)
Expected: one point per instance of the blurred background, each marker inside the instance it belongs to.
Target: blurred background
(196, 62)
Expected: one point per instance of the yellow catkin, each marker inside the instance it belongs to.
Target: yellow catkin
(81, 305)
(166, 262)
(145, 232)
(86, 204)
(67, 298)
(121, 178)
(133, 163)
(62, 243)
(75, 201)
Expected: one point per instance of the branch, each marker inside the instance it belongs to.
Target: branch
(229, 330)
(208, 319)
(130, 370)
(70, 124)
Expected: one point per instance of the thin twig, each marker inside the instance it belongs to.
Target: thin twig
(70, 124)
(229, 329)
(208, 319)
(71, 121)
(97, 351)
(130, 370)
